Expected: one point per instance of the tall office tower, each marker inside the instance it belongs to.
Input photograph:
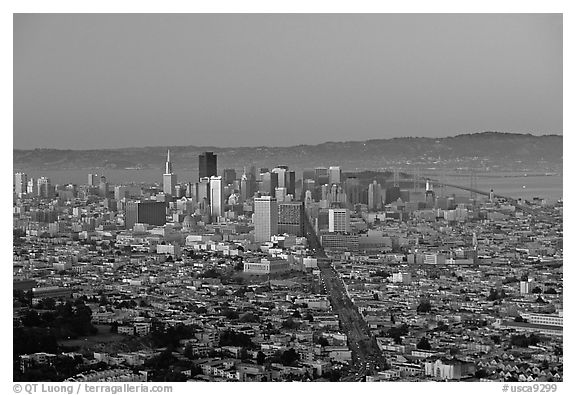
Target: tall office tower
(308, 198)
(291, 218)
(45, 189)
(281, 174)
(103, 187)
(169, 178)
(339, 220)
(280, 194)
(31, 187)
(207, 165)
(120, 192)
(374, 196)
(92, 179)
(202, 191)
(189, 190)
(244, 188)
(308, 174)
(392, 194)
(334, 175)
(179, 191)
(308, 185)
(269, 183)
(20, 183)
(430, 197)
(321, 175)
(216, 197)
(352, 189)
(228, 176)
(148, 212)
(324, 191)
(265, 218)
(291, 182)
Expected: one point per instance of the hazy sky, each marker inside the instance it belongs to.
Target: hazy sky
(119, 80)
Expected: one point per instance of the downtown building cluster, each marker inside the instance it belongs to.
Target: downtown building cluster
(218, 279)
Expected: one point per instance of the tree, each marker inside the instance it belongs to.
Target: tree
(423, 344)
(290, 324)
(289, 357)
(424, 307)
(550, 291)
(260, 358)
(536, 290)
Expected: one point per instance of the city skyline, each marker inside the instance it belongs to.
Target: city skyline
(272, 79)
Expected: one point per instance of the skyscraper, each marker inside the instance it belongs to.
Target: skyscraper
(169, 178)
(339, 220)
(265, 218)
(334, 175)
(216, 197)
(20, 183)
(281, 174)
(291, 218)
(92, 179)
(103, 187)
(375, 196)
(228, 176)
(207, 165)
(45, 189)
(321, 175)
(148, 212)
(291, 183)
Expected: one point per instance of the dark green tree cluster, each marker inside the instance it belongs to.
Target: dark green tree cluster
(495, 295)
(397, 332)
(170, 337)
(232, 338)
(424, 307)
(524, 341)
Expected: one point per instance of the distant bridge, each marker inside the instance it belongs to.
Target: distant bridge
(514, 202)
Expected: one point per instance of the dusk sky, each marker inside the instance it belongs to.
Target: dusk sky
(85, 81)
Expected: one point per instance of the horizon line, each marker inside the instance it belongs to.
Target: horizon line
(289, 146)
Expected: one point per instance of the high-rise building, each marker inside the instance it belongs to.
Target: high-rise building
(291, 218)
(31, 187)
(268, 184)
(45, 188)
(392, 194)
(265, 218)
(228, 176)
(334, 175)
(216, 197)
(308, 185)
(244, 188)
(352, 189)
(20, 183)
(375, 196)
(280, 194)
(281, 174)
(339, 220)
(207, 165)
(321, 175)
(148, 212)
(291, 182)
(120, 192)
(169, 178)
(92, 179)
(308, 174)
(103, 187)
(202, 191)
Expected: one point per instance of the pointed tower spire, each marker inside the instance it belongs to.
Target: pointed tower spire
(168, 164)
